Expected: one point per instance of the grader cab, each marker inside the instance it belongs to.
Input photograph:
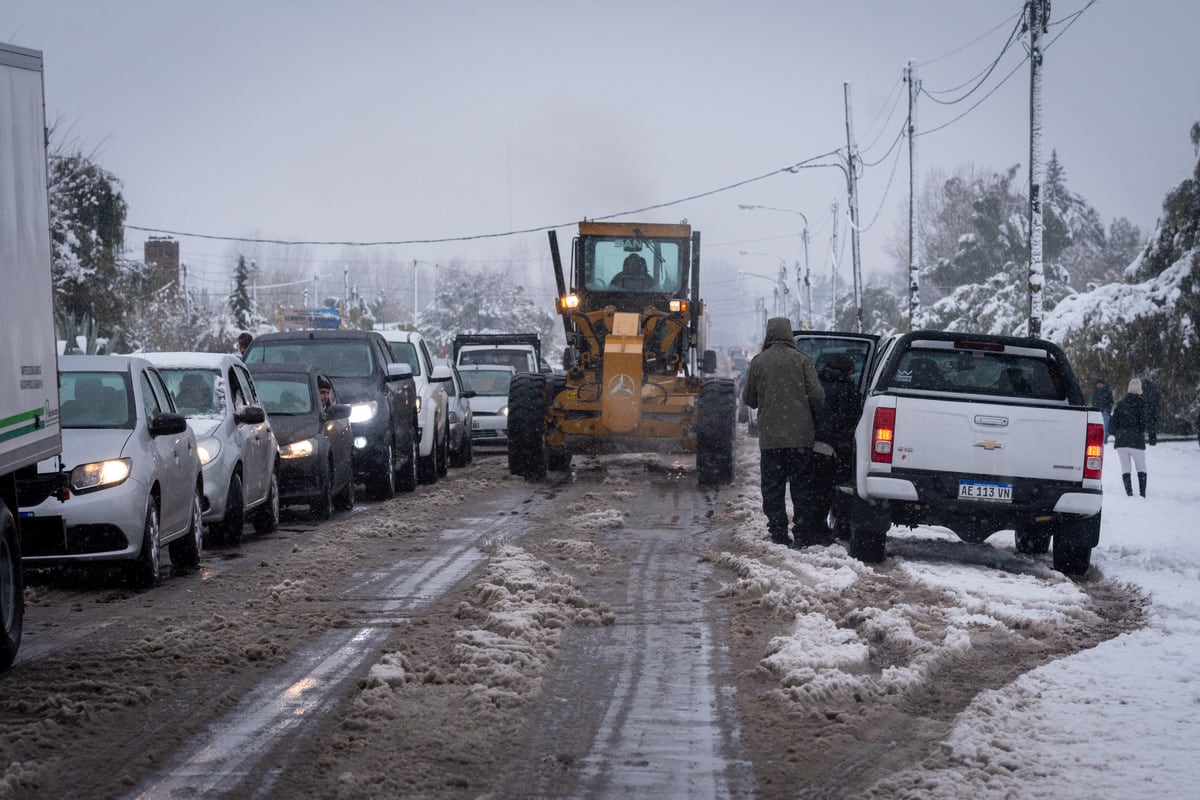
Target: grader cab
(636, 371)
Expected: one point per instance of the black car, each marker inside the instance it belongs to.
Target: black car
(315, 443)
(381, 394)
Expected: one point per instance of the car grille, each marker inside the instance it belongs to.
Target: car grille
(43, 536)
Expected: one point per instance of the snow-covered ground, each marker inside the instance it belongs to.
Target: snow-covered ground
(1118, 720)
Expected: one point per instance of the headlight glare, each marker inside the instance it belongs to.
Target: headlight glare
(362, 412)
(300, 449)
(209, 448)
(100, 475)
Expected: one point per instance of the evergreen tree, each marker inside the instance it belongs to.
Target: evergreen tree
(87, 223)
(241, 305)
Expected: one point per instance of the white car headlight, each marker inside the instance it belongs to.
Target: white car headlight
(361, 412)
(300, 449)
(418, 404)
(208, 448)
(100, 475)
(504, 411)
(452, 417)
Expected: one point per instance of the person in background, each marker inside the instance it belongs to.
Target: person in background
(1129, 432)
(243, 343)
(1153, 402)
(325, 389)
(1102, 399)
(833, 453)
(782, 384)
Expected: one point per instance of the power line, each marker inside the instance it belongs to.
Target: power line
(793, 168)
(1000, 25)
(1012, 37)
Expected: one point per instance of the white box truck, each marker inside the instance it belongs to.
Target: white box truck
(29, 423)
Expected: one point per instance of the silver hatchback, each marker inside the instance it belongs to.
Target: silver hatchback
(238, 453)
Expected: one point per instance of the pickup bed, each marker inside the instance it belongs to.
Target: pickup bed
(977, 434)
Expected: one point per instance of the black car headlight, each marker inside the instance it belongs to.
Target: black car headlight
(300, 449)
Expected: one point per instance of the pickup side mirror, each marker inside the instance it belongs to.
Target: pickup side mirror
(398, 371)
(440, 374)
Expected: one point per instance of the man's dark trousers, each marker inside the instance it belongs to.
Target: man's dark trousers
(782, 469)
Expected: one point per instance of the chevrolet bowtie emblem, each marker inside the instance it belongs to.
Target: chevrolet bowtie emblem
(621, 384)
(990, 444)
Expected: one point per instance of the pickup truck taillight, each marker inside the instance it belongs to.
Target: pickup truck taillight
(1093, 454)
(882, 432)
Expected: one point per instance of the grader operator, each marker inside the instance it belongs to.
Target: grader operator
(635, 327)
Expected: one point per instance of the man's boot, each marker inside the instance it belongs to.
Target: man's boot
(780, 537)
(1142, 482)
(1128, 485)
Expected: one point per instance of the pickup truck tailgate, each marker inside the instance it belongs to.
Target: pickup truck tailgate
(1038, 442)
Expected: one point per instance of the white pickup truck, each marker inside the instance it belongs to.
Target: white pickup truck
(975, 433)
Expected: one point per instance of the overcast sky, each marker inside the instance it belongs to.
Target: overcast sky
(396, 121)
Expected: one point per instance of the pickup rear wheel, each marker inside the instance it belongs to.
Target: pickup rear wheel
(868, 532)
(1073, 543)
(1033, 540)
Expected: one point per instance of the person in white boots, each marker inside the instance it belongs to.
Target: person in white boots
(1129, 431)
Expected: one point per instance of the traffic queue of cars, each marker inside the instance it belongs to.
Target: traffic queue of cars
(177, 449)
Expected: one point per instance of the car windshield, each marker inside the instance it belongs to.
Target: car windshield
(639, 265)
(95, 400)
(197, 392)
(338, 358)
(517, 359)
(285, 395)
(487, 382)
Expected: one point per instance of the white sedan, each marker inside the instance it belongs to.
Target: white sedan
(132, 471)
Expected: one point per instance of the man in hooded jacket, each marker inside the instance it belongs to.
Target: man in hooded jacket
(782, 384)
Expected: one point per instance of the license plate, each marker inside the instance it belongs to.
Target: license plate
(993, 492)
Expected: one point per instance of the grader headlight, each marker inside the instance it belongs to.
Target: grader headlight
(678, 306)
(568, 303)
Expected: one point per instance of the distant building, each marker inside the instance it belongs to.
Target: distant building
(162, 262)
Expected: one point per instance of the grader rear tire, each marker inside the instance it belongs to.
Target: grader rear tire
(715, 418)
(527, 426)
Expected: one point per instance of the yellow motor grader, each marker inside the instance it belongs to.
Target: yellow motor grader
(635, 365)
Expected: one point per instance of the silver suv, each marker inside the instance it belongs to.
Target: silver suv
(433, 424)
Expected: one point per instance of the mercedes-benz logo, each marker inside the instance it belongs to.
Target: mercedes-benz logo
(621, 384)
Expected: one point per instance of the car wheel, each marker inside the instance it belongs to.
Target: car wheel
(266, 520)
(381, 483)
(458, 455)
(322, 507)
(146, 571)
(345, 498)
(12, 605)
(185, 551)
(427, 466)
(407, 478)
(234, 521)
(444, 452)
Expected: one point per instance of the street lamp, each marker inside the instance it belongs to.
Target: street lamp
(780, 299)
(781, 286)
(808, 310)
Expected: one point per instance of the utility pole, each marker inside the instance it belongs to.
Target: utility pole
(833, 320)
(914, 231)
(1037, 24)
(852, 180)
(414, 322)
(807, 281)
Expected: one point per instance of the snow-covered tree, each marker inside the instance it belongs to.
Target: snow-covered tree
(1149, 324)
(87, 223)
(488, 301)
(241, 304)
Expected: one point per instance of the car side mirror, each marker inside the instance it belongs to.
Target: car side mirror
(709, 363)
(167, 424)
(338, 411)
(440, 374)
(468, 393)
(398, 371)
(250, 415)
